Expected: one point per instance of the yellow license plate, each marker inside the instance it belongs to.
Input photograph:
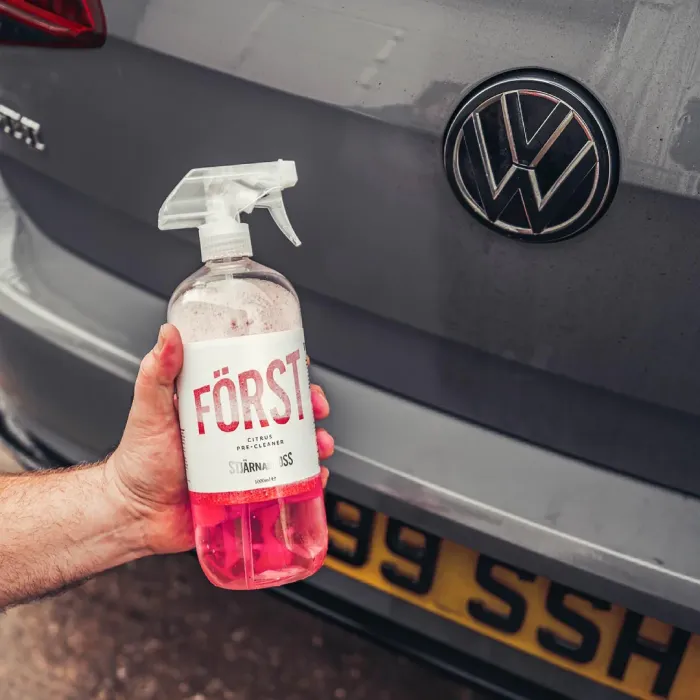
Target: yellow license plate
(619, 648)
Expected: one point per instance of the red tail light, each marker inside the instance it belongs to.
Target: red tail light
(76, 23)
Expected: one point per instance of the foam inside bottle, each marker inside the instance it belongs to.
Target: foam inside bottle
(263, 537)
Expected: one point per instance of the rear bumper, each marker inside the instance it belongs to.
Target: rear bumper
(71, 336)
(374, 620)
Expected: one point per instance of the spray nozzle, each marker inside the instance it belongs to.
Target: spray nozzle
(213, 200)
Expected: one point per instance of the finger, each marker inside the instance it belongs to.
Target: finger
(155, 383)
(325, 442)
(319, 402)
(324, 477)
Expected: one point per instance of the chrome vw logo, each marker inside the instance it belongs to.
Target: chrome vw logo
(533, 157)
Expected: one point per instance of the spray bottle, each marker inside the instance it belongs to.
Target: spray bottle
(243, 395)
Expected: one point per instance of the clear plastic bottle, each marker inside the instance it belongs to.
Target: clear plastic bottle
(243, 395)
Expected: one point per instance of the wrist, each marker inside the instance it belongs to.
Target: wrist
(131, 526)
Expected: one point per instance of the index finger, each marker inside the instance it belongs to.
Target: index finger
(319, 402)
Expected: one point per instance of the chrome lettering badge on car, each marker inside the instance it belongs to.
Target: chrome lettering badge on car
(22, 128)
(538, 136)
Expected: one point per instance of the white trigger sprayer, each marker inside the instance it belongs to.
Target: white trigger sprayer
(213, 199)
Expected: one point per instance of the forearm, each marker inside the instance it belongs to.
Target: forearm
(60, 527)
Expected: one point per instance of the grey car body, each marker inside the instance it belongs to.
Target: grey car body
(538, 403)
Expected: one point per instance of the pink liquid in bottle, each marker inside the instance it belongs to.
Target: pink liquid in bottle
(261, 543)
(247, 420)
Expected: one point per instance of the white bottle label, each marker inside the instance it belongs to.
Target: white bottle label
(245, 413)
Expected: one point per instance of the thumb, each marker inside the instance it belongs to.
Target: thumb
(155, 383)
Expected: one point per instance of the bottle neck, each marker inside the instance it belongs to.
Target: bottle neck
(224, 238)
(227, 260)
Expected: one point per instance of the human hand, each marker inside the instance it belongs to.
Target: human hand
(148, 466)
